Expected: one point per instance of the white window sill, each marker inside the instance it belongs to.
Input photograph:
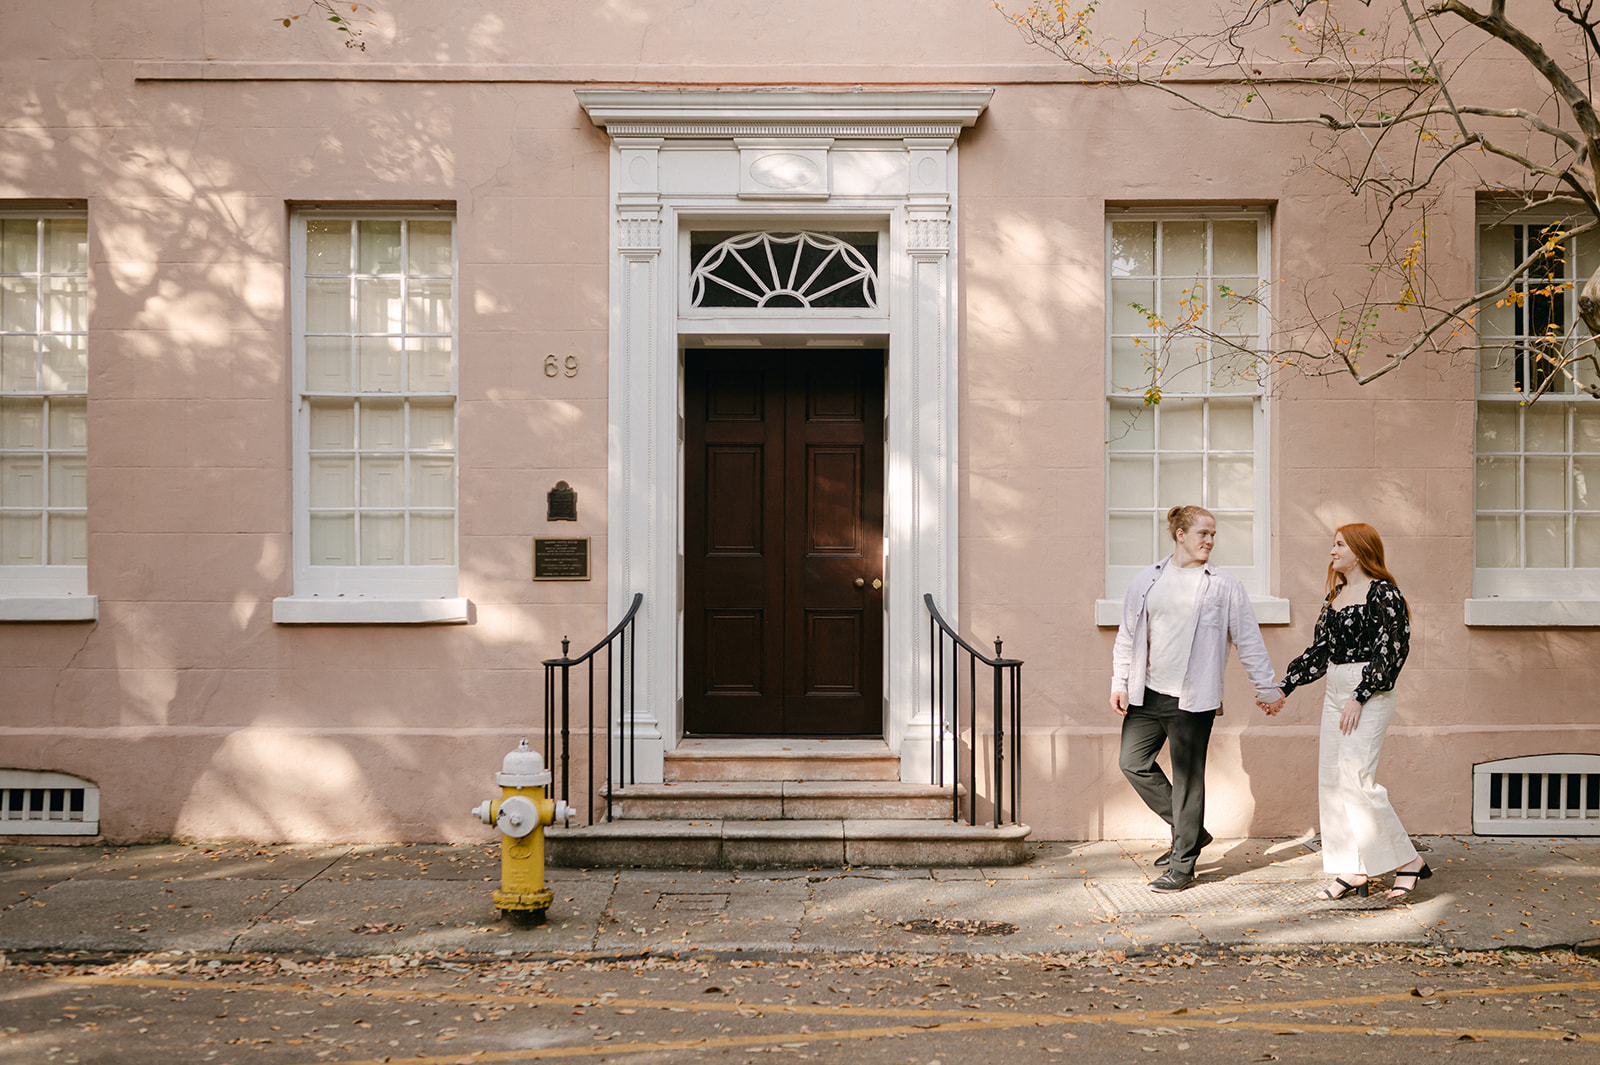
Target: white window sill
(49, 608)
(359, 610)
(1270, 610)
(1533, 613)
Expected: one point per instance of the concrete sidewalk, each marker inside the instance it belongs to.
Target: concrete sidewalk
(1487, 893)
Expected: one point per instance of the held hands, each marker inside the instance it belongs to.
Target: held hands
(1349, 717)
(1270, 707)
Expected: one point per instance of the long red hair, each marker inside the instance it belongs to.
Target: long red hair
(1364, 541)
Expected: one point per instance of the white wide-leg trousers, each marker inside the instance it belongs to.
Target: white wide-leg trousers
(1360, 832)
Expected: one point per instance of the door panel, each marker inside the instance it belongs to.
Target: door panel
(783, 476)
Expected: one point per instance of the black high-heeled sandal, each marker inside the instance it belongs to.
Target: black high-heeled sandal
(1344, 890)
(1416, 875)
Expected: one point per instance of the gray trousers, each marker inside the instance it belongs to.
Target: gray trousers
(1181, 801)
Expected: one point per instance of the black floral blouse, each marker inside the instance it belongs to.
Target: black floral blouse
(1377, 632)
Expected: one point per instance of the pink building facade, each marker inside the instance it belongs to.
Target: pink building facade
(298, 340)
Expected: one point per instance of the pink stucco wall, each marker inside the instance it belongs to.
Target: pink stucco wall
(200, 717)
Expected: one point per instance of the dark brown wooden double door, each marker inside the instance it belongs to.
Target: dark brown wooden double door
(783, 530)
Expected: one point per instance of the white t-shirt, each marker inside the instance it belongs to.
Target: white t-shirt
(1170, 606)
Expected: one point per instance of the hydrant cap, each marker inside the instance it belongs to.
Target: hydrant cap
(523, 768)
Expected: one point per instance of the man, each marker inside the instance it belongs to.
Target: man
(1178, 618)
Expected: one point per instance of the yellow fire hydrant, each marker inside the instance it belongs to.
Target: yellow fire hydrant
(520, 814)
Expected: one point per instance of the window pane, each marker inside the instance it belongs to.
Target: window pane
(378, 247)
(22, 481)
(1233, 425)
(433, 540)
(1586, 483)
(382, 539)
(1585, 428)
(1497, 484)
(1132, 481)
(1497, 427)
(69, 477)
(1547, 540)
(1183, 302)
(428, 251)
(327, 246)
(1234, 248)
(378, 362)
(1183, 248)
(382, 427)
(1496, 251)
(69, 540)
(327, 364)
(1545, 487)
(69, 424)
(19, 245)
(1234, 370)
(1497, 369)
(1235, 540)
(1180, 427)
(433, 427)
(333, 425)
(1133, 249)
(1180, 481)
(1544, 427)
(428, 364)
(66, 364)
(1127, 297)
(430, 306)
(19, 364)
(333, 481)
(333, 540)
(1131, 540)
(433, 482)
(1232, 483)
(378, 306)
(1496, 541)
(1130, 365)
(21, 423)
(21, 542)
(327, 305)
(1132, 426)
(1586, 541)
(382, 482)
(19, 305)
(66, 304)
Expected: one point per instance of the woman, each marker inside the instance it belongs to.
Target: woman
(1362, 638)
(1178, 618)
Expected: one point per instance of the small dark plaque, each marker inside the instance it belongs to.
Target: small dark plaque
(560, 558)
(563, 503)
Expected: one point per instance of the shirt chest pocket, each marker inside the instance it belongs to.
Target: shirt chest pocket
(1212, 613)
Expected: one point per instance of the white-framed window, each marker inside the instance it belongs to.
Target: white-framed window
(44, 398)
(1537, 469)
(374, 293)
(813, 270)
(1185, 414)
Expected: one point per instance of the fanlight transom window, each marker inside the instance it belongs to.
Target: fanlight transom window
(784, 270)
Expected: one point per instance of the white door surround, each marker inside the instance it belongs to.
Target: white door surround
(782, 160)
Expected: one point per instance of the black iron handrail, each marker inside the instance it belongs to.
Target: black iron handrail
(619, 646)
(945, 647)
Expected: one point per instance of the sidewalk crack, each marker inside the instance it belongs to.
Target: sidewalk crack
(233, 943)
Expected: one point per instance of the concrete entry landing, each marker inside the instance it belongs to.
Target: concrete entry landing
(784, 803)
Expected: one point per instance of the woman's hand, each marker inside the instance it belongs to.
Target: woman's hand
(1349, 717)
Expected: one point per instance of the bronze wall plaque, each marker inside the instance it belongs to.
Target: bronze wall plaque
(562, 503)
(560, 558)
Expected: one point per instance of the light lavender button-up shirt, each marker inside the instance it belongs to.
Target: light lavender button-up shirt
(1222, 615)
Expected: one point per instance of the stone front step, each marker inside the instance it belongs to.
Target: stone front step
(702, 760)
(803, 800)
(715, 844)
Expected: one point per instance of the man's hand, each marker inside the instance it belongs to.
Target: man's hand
(1270, 707)
(1119, 702)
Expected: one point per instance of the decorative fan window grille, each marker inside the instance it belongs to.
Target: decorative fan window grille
(784, 270)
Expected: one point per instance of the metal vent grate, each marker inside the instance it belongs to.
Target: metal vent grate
(35, 803)
(1542, 795)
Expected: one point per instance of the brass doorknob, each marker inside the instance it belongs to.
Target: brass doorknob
(861, 582)
(876, 583)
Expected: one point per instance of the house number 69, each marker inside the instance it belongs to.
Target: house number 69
(554, 368)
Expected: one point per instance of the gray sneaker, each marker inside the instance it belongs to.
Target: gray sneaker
(1171, 881)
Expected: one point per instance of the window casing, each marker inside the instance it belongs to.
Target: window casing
(44, 391)
(1176, 282)
(375, 329)
(1537, 463)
